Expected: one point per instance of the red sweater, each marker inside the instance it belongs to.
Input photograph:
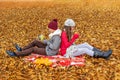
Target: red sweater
(65, 43)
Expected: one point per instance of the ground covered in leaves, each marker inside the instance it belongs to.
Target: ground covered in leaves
(98, 25)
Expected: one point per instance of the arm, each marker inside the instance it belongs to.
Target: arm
(55, 44)
(65, 39)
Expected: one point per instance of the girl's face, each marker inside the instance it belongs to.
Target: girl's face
(72, 28)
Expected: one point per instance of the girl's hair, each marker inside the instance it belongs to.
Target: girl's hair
(68, 31)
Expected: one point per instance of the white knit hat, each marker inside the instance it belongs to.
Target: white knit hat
(69, 22)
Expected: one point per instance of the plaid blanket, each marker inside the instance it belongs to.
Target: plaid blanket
(56, 60)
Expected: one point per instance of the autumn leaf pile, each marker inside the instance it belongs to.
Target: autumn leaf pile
(98, 26)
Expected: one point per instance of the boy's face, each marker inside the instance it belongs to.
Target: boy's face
(51, 30)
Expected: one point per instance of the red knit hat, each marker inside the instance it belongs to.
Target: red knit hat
(53, 24)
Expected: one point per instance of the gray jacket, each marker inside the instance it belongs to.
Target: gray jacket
(53, 44)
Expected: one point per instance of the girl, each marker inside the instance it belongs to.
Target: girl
(69, 50)
(47, 47)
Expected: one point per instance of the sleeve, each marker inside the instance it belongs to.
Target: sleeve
(55, 44)
(45, 41)
(65, 39)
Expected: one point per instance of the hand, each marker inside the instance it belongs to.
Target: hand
(76, 36)
(41, 37)
(77, 33)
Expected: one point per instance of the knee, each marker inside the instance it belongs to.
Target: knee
(35, 41)
(85, 43)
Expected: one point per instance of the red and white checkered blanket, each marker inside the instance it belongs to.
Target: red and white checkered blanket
(57, 60)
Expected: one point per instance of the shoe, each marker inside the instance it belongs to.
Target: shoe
(10, 53)
(95, 49)
(105, 55)
(18, 48)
